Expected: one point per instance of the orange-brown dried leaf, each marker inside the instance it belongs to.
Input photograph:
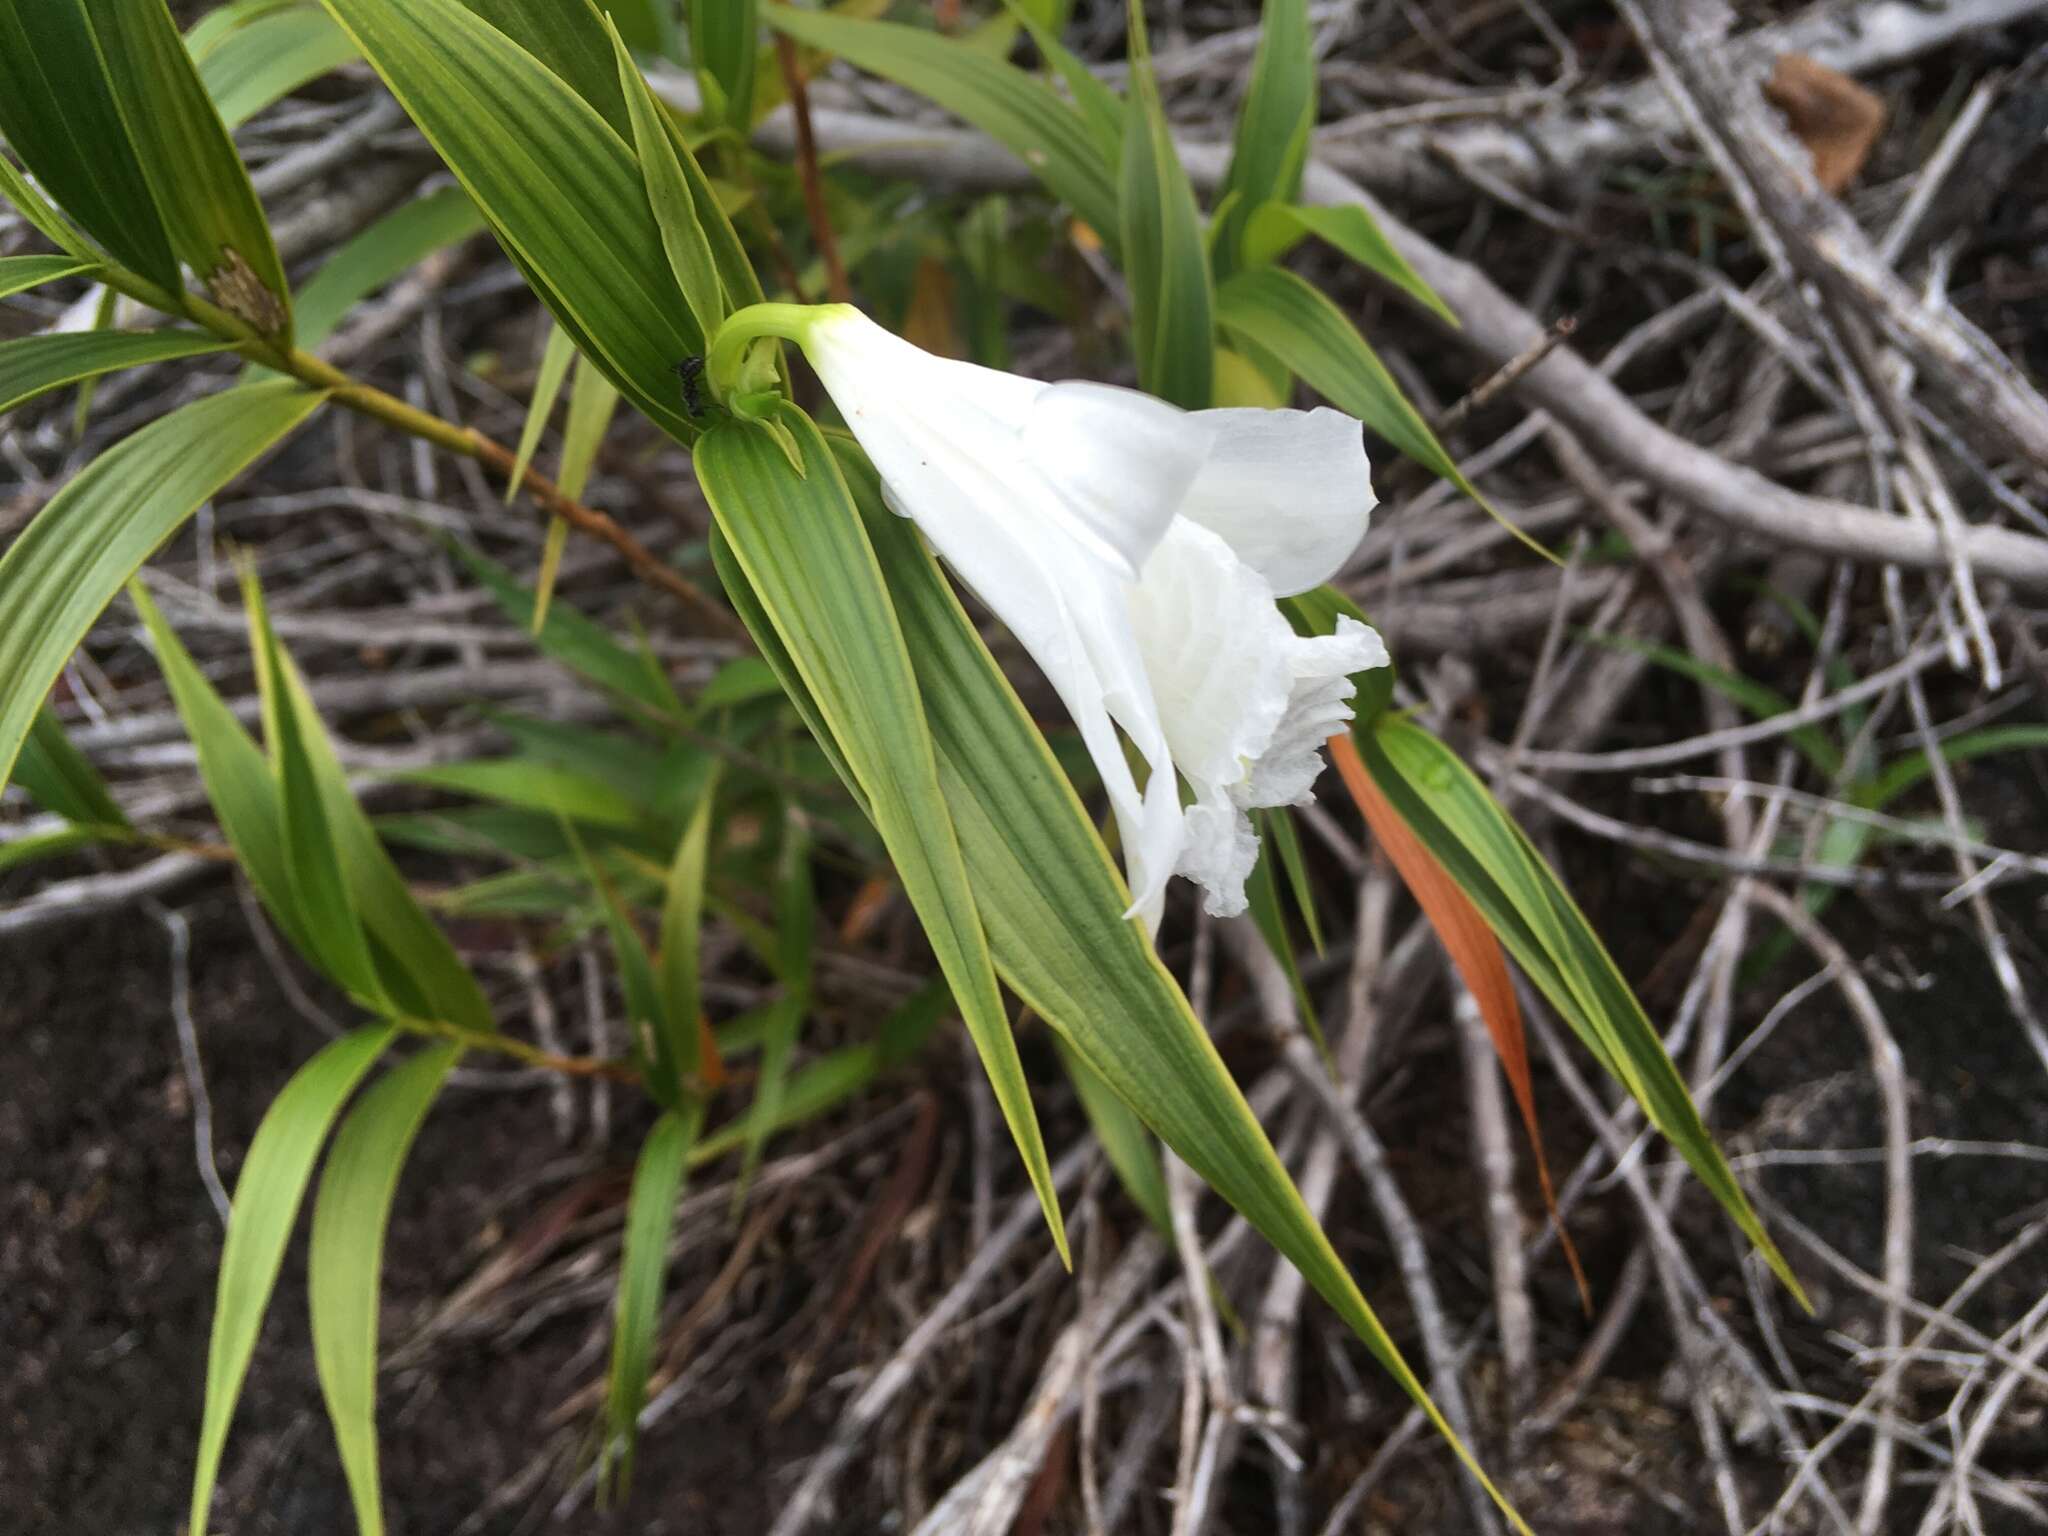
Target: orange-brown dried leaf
(1837, 119)
(1475, 952)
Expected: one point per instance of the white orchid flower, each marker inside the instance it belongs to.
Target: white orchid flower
(1135, 550)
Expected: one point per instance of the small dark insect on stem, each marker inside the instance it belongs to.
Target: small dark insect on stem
(691, 371)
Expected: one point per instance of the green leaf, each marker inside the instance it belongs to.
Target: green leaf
(1316, 612)
(268, 56)
(560, 187)
(1262, 891)
(668, 194)
(380, 253)
(1270, 145)
(1272, 229)
(1125, 1142)
(238, 781)
(682, 920)
(1099, 106)
(1053, 901)
(345, 1262)
(1017, 111)
(578, 643)
(520, 781)
(62, 781)
(795, 908)
(1173, 306)
(267, 1195)
(592, 403)
(65, 567)
(59, 112)
(643, 1276)
(724, 38)
(809, 567)
(1528, 908)
(319, 882)
(18, 274)
(1299, 325)
(34, 365)
(555, 358)
(18, 851)
(209, 210)
(1909, 770)
(569, 39)
(1756, 698)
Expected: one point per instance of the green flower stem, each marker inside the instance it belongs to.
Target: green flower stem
(726, 366)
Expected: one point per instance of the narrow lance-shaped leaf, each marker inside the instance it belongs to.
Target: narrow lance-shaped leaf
(1270, 144)
(18, 274)
(560, 186)
(52, 769)
(1173, 309)
(189, 163)
(345, 1262)
(62, 570)
(271, 54)
(1275, 228)
(810, 568)
(1053, 902)
(1478, 845)
(682, 920)
(267, 1195)
(724, 38)
(34, 365)
(795, 908)
(643, 1275)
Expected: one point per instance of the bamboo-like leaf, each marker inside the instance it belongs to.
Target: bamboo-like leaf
(555, 358)
(345, 1262)
(65, 567)
(58, 112)
(724, 38)
(1274, 228)
(34, 365)
(267, 1195)
(319, 882)
(1099, 106)
(202, 191)
(1130, 1148)
(795, 908)
(592, 403)
(60, 778)
(386, 249)
(643, 1276)
(809, 567)
(560, 187)
(238, 781)
(536, 786)
(1300, 326)
(1053, 902)
(1173, 306)
(668, 194)
(1527, 908)
(40, 212)
(1011, 107)
(270, 54)
(1476, 954)
(1270, 145)
(18, 274)
(682, 919)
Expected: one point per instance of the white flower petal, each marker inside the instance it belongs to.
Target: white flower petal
(1122, 463)
(1289, 491)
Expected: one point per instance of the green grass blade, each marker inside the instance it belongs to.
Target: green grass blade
(1130, 1148)
(63, 569)
(1008, 105)
(810, 569)
(534, 786)
(345, 1262)
(1528, 908)
(795, 919)
(724, 39)
(556, 180)
(18, 274)
(34, 365)
(266, 1204)
(268, 57)
(643, 1276)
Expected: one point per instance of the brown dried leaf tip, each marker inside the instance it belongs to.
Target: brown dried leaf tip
(237, 289)
(1834, 117)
